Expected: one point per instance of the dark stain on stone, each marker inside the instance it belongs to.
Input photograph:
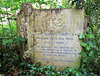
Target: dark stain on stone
(25, 19)
(29, 60)
(34, 41)
(35, 30)
(51, 11)
(34, 16)
(57, 11)
(26, 32)
(47, 62)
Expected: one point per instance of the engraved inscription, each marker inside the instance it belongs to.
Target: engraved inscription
(52, 45)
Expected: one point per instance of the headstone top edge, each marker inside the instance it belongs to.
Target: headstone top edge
(26, 9)
(27, 4)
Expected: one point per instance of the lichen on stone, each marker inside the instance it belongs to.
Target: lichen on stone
(27, 54)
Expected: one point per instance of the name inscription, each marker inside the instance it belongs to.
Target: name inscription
(60, 47)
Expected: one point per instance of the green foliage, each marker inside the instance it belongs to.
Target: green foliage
(91, 40)
(78, 3)
(90, 55)
(7, 32)
(9, 53)
(7, 60)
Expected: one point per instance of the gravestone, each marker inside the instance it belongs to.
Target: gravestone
(52, 35)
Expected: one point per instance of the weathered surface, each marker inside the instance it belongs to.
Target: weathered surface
(52, 35)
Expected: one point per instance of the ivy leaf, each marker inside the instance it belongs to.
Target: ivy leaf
(58, 72)
(91, 36)
(88, 48)
(23, 39)
(16, 58)
(83, 54)
(91, 53)
(53, 67)
(90, 45)
(52, 73)
(70, 70)
(79, 74)
(83, 44)
(83, 36)
(46, 72)
(27, 74)
(49, 66)
(85, 60)
(80, 36)
(33, 72)
(73, 70)
(5, 42)
(10, 40)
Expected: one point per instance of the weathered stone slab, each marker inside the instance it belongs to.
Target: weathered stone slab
(52, 35)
